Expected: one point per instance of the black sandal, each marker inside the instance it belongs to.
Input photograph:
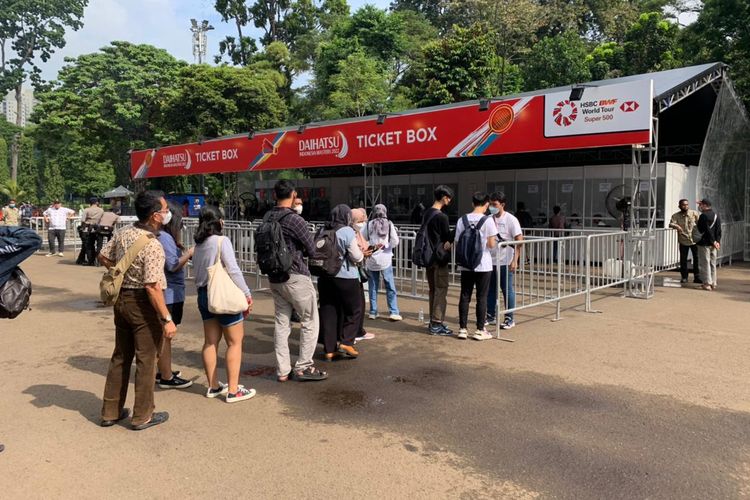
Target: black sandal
(310, 374)
(156, 419)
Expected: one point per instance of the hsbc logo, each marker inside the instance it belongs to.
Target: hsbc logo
(629, 106)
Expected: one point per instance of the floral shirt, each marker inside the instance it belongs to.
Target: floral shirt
(148, 266)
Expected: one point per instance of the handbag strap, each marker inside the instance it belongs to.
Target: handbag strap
(219, 240)
(132, 252)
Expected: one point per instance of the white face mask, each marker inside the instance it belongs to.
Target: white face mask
(166, 219)
(360, 225)
(298, 209)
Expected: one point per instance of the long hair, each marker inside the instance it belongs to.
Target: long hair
(174, 228)
(209, 223)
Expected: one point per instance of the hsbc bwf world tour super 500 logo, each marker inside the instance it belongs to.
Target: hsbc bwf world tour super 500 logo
(565, 113)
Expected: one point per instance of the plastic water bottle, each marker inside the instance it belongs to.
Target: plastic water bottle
(421, 316)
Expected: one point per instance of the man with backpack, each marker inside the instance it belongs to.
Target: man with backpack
(282, 240)
(432, 251)
(475, 237)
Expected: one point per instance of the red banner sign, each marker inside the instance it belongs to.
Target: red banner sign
(512, 126)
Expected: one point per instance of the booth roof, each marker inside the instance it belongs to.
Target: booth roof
(118, 192)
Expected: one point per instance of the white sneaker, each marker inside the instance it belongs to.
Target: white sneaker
(60, 254)
(507, 324)
(50, 255)
(462, 334)
(481, 335)
(373, 316)
(395, 317)
(214, 393)
(241, 395)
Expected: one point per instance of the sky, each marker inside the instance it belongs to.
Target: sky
(162, 23)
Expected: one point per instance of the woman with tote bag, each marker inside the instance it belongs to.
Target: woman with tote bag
(213, 260)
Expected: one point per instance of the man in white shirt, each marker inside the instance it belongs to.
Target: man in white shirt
(479, 276)
(508, 229)
(56, 218)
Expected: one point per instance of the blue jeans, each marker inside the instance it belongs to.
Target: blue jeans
(390, 290)
(509, 294)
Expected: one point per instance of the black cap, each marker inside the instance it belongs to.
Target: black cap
(93, 200)
(705, 201)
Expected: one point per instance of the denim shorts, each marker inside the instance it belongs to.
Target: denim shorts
(224, 320)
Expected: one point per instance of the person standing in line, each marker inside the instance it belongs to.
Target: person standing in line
(87, 230)
(524, 217)
(557, 224)
(208, 238)
(341, 296)
(294, 291)
(56, 217)
(382, 238)
(508, 229)
(435, 224)
(709, 225)
(684, 221)
(478, 277)
(142, 319)
(359, 222)
(10, 214)
(176, 257)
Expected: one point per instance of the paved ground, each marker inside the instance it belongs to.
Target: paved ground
(648, 399)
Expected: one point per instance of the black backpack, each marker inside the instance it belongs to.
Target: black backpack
(274, 257)
(15, 294)
(470, 247)
(327, 260)
(424, 254)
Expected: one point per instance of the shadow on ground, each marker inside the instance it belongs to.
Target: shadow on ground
(87, 404)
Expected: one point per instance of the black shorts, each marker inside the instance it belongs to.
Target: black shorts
(175, 310)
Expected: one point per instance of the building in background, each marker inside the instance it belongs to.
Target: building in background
(8, 106)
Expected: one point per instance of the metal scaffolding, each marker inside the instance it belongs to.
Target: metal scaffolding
(372, 183)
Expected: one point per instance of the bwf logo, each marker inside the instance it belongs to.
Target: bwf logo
(565, 113)
(629, 106)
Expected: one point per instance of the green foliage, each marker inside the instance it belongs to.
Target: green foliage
(29, 177)
(11, 190)
(4, 165)
(557, 60)
(359, 88)
(112, 99)
(651, 44)
(462, 65)
(721, 33)
(54, 185)
(215, 101)
(607, 61)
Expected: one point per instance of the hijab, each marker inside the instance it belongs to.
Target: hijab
(340, 216)
(379, 224)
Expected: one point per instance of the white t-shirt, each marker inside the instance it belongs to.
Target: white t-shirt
(488, 230)
(508, 228)
(58, 217)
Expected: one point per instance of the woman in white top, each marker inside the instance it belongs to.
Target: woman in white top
(209, 240)
(383, 238)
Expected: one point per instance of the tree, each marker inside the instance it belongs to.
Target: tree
(11, 190)
(433, 10)
(4, 167)
(359, 88)
(238, 49)
(31, 30)
(29, 178)
(607, 61)
(721, 34)
(215, 101)
(462, 65)
(112, 99)
(54, 185)
(557, 60)
(651, 44)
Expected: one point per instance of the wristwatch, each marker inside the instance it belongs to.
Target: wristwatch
(166, 320)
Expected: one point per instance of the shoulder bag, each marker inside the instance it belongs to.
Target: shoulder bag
(109, 286)
(224, 297)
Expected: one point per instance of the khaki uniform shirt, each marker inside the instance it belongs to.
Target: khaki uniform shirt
(148, 266)
(10, 216)
(92, 215)
(686, 222)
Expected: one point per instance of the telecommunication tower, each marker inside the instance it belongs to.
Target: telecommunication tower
(199, 39)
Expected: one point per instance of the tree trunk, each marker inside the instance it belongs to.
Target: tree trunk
(15, 147)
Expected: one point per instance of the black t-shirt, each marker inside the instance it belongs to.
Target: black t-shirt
(711, 233)
(438, 232)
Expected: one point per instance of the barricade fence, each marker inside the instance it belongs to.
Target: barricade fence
(554, 265)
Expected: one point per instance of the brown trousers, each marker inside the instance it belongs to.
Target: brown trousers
(138, 333)
(438, 281)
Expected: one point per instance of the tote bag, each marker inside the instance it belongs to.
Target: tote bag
(224, 297)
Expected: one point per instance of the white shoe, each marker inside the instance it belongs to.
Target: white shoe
(373, 316)
(395, 317)
(481, 335)
(61, 254)
(50, 255)
(215, 393)
(241, 395)
(462, 334)
(507, 324)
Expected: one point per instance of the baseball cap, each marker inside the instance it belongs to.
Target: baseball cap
(705, 201)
